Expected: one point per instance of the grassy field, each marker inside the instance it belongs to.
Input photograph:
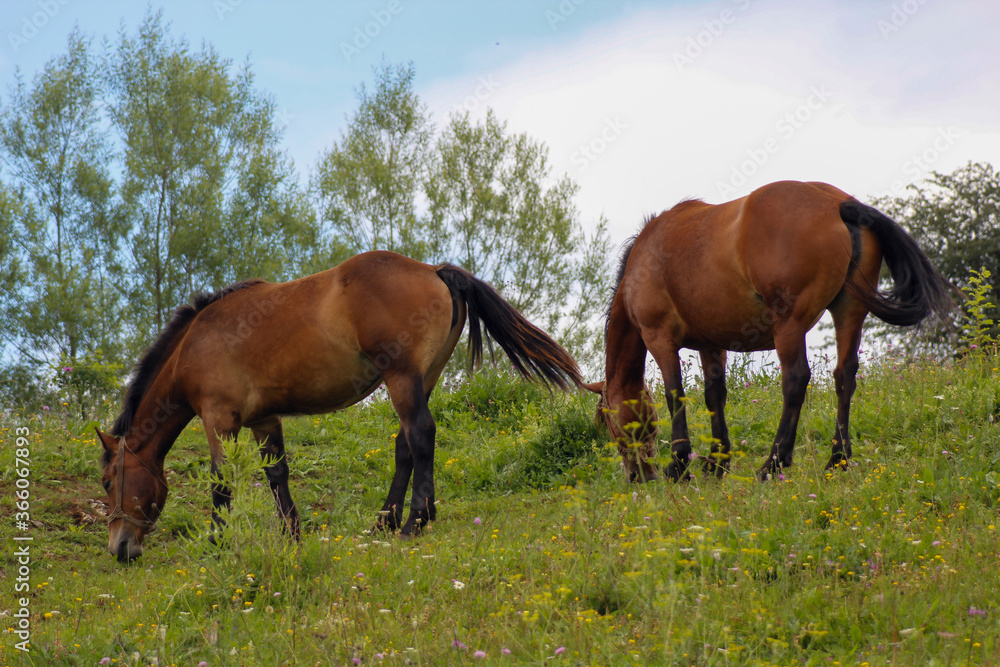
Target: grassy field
(542, 552)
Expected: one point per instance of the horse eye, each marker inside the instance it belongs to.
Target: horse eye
(107, 486)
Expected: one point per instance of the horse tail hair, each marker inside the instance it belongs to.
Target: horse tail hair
(918, 289)
(534, 354)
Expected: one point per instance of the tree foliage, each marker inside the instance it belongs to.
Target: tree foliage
(134, 176)
(63, 227)
(479, 196)
(495, 209)
(368, 183)
(211, 196)
(955, 218)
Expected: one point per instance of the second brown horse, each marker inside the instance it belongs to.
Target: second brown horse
(752, 274)
(254, 352)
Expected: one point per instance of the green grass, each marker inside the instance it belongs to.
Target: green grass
(894, 561)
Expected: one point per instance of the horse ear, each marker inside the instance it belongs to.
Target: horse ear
(109, 442)
(596, 387)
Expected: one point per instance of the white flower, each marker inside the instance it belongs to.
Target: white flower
(457, 584)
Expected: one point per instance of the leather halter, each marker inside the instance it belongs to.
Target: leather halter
(118, 512)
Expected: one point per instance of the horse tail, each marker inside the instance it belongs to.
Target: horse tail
(534, 354)
(918, 289)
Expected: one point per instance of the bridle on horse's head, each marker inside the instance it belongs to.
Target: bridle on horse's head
(118, 512)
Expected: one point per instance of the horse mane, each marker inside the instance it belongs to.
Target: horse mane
(623, 256)
(149, 365)
(627, 251)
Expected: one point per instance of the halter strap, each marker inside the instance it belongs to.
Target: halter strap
(118, 512)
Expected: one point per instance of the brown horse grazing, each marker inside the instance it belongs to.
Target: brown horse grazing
(253, 352)
(752, 274)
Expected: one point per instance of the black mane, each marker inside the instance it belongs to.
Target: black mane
(147, 368)
(627, 251)
(622, 262)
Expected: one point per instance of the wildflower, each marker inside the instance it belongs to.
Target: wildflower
(457, 584)
(360, 575)
(976, 612)
(202, 664)
(477, 521)
(479, 654)
(561, 649)
(357, 661)
(812, 495)
(380, 656)
(505, 651)
(105, 661)
(459, 645)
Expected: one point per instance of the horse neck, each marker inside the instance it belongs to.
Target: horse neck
(160, 418)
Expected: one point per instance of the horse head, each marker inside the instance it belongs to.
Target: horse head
(136, 493)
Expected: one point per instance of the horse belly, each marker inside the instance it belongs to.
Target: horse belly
(324, 385)
(742, 331)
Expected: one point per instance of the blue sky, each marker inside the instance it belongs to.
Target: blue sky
(642, 103)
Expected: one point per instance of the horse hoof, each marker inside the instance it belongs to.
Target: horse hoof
(676, 474)
(838, 462)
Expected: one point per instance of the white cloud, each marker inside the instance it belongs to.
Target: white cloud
(694, 102)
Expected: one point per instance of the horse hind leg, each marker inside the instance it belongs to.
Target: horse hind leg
(391, 516)
(409, 398)
(713, 363)
(848, 318)
(790, 343)
(270, 438)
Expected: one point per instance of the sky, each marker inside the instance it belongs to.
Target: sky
(641, 103)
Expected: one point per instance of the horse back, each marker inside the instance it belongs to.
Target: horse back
(318, 343)
(719, 276)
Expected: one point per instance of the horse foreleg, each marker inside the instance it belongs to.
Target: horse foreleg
(215, 431)
(271, 439)
(713, 363)
(631, 416)
(417, 424)
(669, 361)
(391, 516)
(795, 374)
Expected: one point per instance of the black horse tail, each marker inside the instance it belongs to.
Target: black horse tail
(534, 354)
(918, 290)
